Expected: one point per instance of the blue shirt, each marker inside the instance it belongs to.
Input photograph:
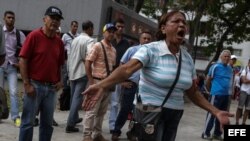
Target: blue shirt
(158, 73)
(126, 57)
(221, 75)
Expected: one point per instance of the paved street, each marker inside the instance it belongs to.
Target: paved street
(190, 127)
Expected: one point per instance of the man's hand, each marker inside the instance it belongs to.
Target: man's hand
(29, 89)
(127, 84)
(92, 95)
(58, 86)
(16, 65)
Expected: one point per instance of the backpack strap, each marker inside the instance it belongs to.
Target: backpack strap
(70, 35)
(106, 59)
(18, 43)
(18, 39)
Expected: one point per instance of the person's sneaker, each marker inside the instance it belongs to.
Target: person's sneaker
(17, 122)
(99, 138)
(87, 138)
(217, 138)
(54, 123)
(115, 137)
(71, 129)
(205, 137)
(36, 122)
(79, 120)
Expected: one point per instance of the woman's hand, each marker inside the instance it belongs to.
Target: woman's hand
(92, 95)
(223, 117)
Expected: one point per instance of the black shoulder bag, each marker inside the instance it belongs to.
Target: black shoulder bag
(107, 65)
(18, 43)
(146, 117)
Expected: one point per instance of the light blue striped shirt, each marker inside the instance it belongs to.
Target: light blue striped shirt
(158, 73)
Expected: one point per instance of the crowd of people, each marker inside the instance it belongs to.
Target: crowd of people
(111, 71)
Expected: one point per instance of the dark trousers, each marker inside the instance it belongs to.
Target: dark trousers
(128, 95)
(221, 102)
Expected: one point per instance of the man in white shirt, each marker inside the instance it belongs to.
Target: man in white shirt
(77, 73)
(244, 99)
(67, 39)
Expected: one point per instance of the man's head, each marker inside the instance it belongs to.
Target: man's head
(233, 60)
(119, 24)
(52, 18)
(225, 56)
(145, 37)
(88, 27)
(9, 19)
(73, 27)
(108, 31)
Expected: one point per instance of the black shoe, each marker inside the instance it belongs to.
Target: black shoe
(111, 131)
(115, 137)
(36, 122)
(54, 123)
(79, 120)
(130, 136)
(71, 129)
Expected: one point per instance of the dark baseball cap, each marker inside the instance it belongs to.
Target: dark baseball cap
(54, 11)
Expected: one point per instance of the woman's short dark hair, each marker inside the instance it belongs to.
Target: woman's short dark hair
(162, 21)
(86, 25)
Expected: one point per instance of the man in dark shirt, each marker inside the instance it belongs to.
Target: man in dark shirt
(121, 45)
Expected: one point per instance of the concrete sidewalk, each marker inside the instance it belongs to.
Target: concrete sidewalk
(190, 128)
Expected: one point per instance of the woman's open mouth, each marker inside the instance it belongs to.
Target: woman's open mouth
(181, 34)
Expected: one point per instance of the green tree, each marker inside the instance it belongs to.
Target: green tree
(229, 21)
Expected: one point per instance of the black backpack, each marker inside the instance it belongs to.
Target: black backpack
(18, 43)
(64, 99)
(4, 110)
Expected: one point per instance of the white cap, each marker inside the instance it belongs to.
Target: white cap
(233, 57)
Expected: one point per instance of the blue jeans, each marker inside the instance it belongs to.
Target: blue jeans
(44, 101)
(77, 87)
(128, 95)
(11, 73)
(114, 106)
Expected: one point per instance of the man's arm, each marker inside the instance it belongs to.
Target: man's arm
(29, 89)
(88, 68)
